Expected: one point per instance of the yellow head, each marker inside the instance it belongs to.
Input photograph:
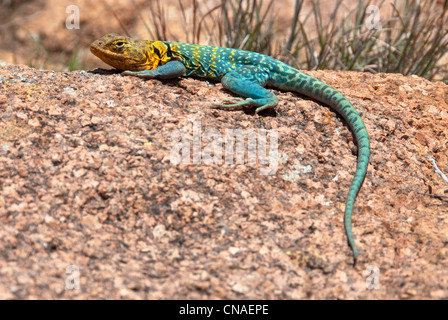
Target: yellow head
(125, 53)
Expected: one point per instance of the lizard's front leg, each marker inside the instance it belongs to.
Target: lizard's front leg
(169, 70)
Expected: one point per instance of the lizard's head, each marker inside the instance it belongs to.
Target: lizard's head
(125, 53)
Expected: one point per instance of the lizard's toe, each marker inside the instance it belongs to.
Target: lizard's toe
(237, 103)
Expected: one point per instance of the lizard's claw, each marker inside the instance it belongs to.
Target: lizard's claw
(132, 73)
(234, 104)
(146, 74)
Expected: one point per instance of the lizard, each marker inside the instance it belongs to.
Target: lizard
(245, 73)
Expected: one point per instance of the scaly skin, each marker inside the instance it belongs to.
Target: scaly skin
(242, 72)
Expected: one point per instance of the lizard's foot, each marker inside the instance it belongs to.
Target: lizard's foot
(130, 73)
(234, 104)
(239, 103)
(147, 74)
(264, 107)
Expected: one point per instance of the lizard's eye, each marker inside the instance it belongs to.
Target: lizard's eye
(119, 44)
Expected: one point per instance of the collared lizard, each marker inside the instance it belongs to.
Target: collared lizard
(242, 72)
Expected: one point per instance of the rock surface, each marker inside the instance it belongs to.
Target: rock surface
(88, 185)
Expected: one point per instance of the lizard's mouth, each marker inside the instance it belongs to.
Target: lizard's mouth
(96, 51)
(120, 61)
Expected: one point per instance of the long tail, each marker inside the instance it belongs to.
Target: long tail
(302, 83)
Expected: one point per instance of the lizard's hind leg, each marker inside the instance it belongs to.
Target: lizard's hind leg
(248, 81)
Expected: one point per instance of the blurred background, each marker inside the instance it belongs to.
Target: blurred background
(398, 36)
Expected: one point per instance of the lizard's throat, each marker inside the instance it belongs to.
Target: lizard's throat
(156, 55)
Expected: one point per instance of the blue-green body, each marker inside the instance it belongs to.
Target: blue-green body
(246, 73)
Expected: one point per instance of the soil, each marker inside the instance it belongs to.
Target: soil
(90, 187)
(94, 205)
